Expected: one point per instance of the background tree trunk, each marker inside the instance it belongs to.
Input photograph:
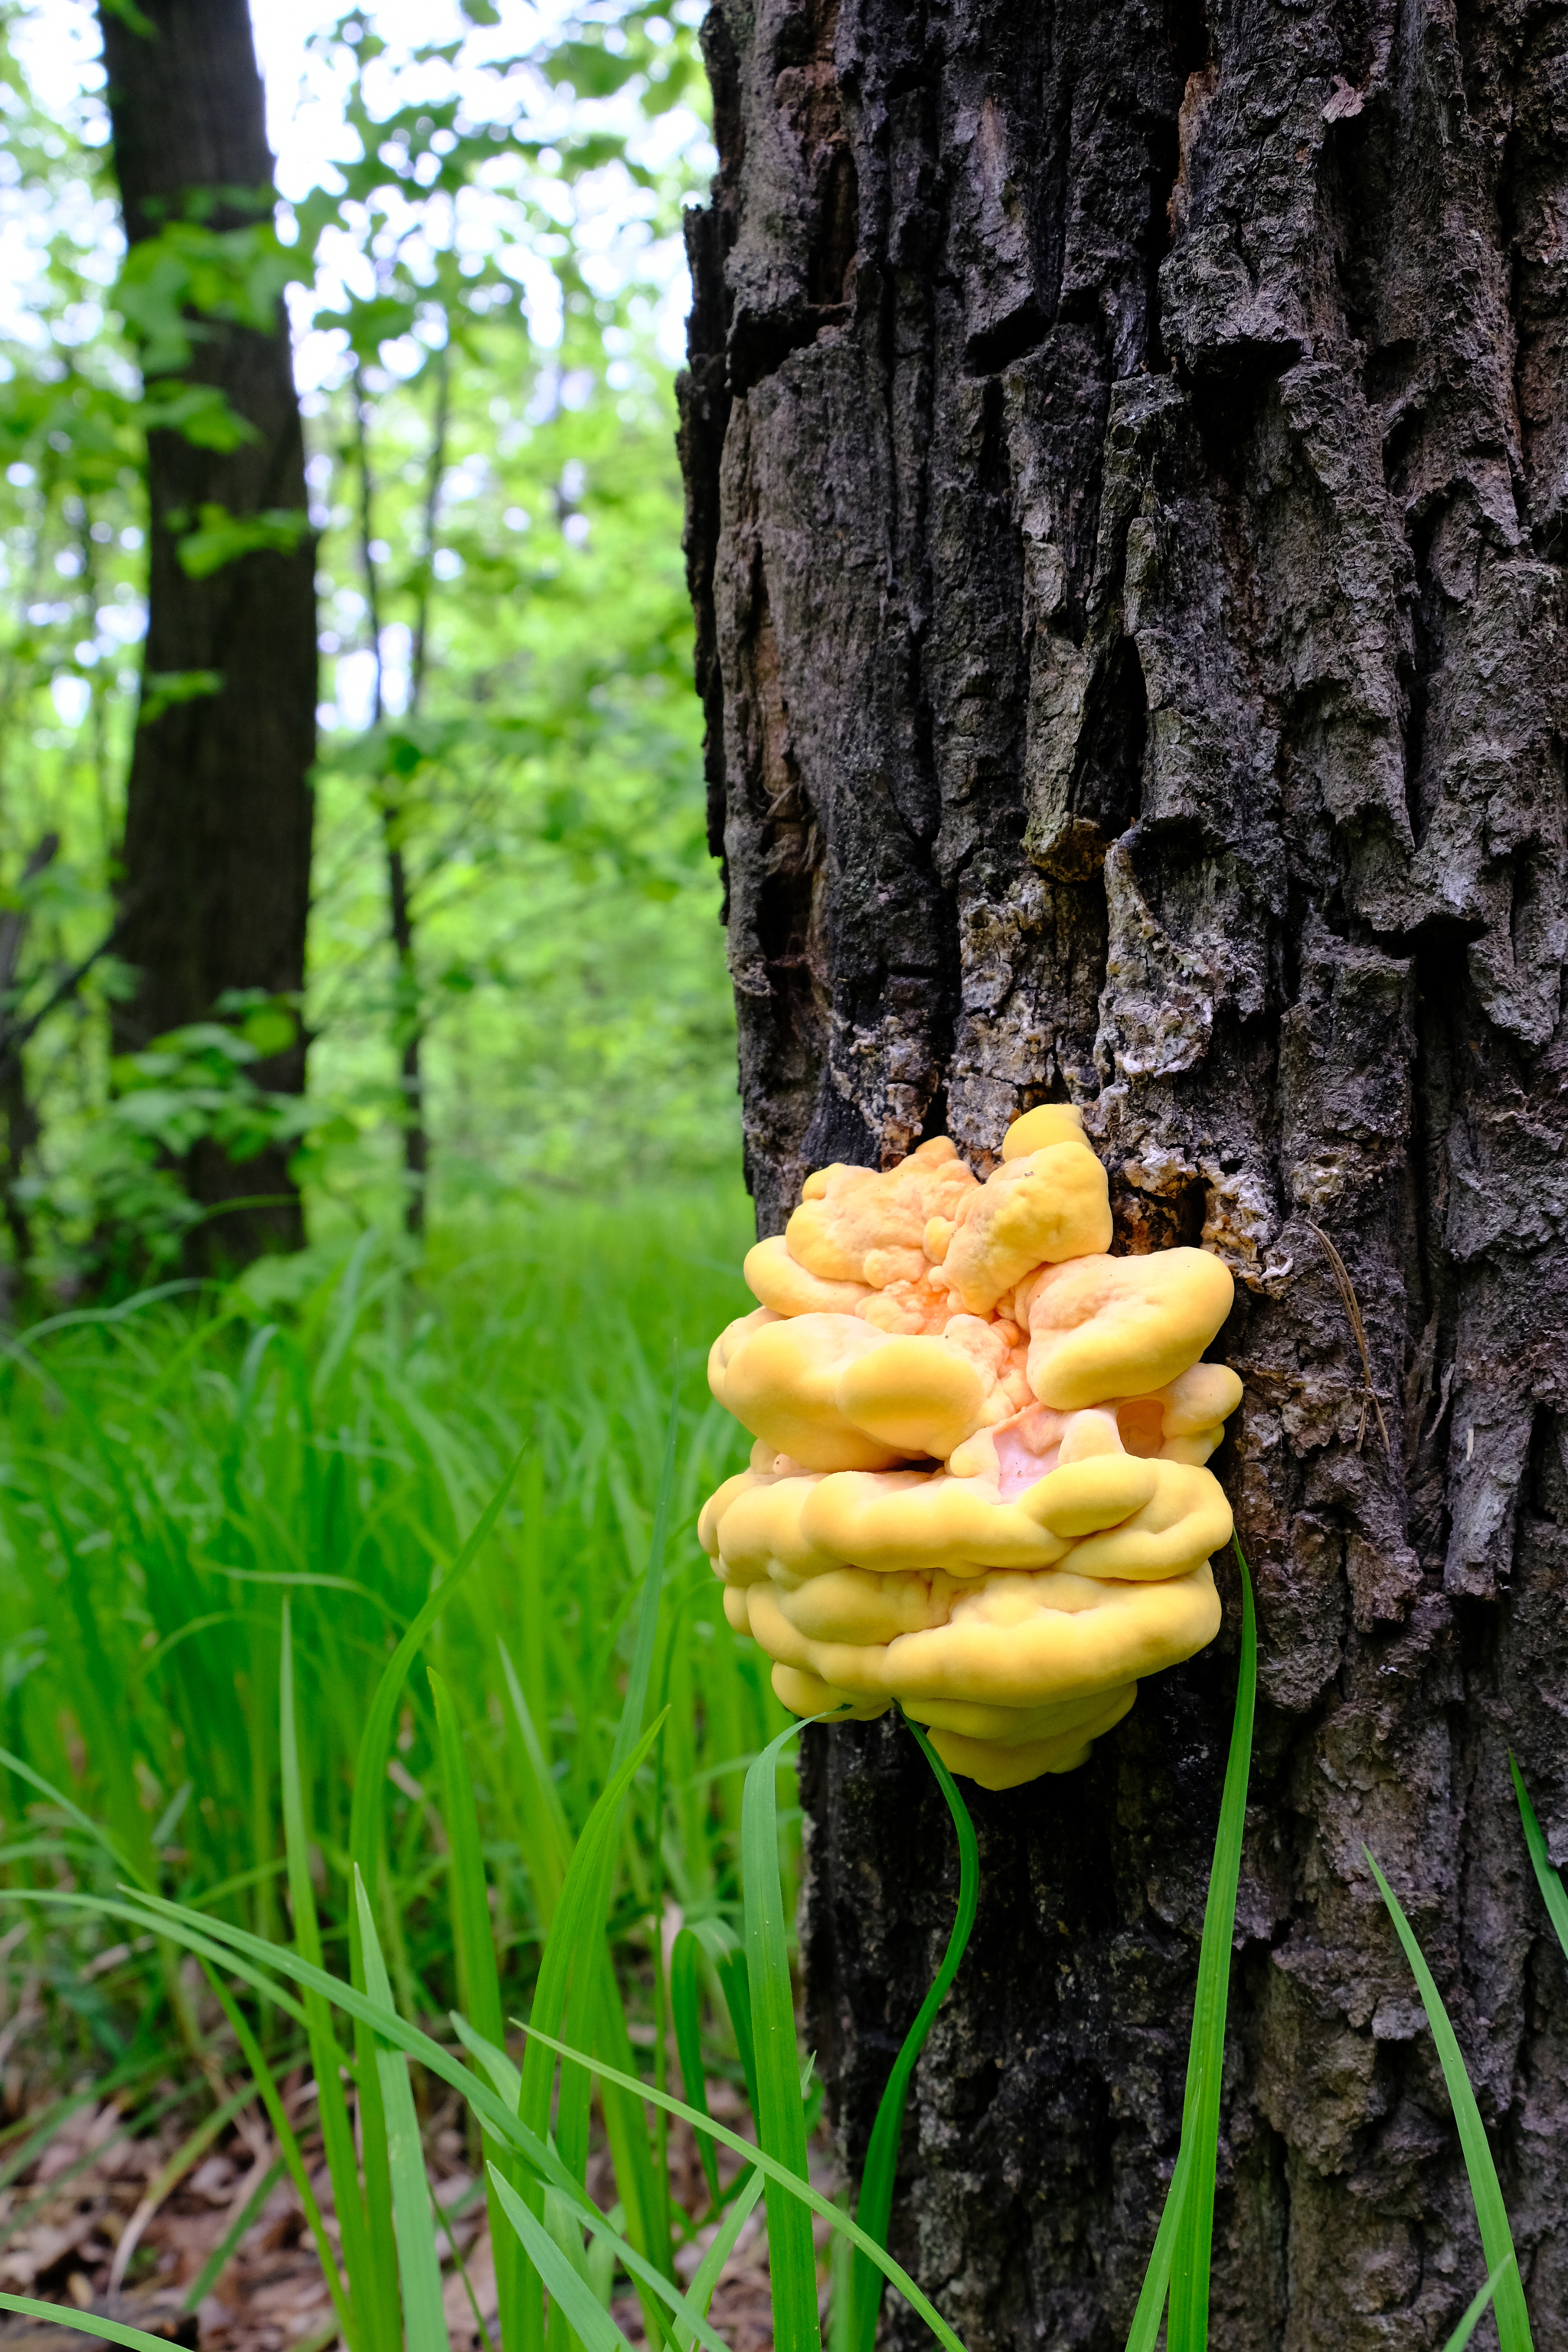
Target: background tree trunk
(218, 827)
(1126, 453)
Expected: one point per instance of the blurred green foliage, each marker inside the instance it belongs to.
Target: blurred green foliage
(492, 475)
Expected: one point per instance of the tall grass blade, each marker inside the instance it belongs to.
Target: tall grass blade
(282, 2130)
(549, 1833)
(418, 2263)
(719, 1944)
(326, 2055)
(1180, 2259)
(630, 1729)
(709, 2270)
(478, 1979)
(376, 1740)
(572, 1958)
(595, 2016)
(686, 2017)
(1492, 2215)
(1547, 1877)
(780, 2114)
(365, 1855)
(589, 2321)
(1472, 2318)
(506, 2077)
(876, 2203)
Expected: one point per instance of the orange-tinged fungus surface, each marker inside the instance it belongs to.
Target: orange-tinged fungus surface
(978, 1489)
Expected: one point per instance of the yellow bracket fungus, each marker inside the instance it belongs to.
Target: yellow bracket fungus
(978, 1487)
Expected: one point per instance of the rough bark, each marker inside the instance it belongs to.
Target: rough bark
(1126, 453)
(219, 804)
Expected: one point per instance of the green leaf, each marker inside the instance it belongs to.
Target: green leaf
(201, 414)
(1486, 2191)
(167, 689)
(223, 538)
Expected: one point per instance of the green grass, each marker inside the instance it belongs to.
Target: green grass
(177, 1476)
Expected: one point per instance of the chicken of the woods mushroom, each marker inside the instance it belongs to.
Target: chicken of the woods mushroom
(978, 1485)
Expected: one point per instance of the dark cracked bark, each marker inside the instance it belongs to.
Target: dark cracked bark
(218, 803)
(1128, 466)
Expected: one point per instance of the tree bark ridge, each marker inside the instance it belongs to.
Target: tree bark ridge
(1127, 450)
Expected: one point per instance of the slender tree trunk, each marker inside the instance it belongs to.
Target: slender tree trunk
(218, 808)
(1126, 459)
(407, 1024)
(17, 1108)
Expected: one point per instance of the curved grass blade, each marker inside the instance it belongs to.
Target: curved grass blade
(370, 1766)
(569, 2291)
(84, 2323)
(1491, 2214)
(73, 1812)
(712, 1939)
(686, 2017)
(709, 2270)
(507, 2077)
(876, 2202)
(479, 1980)
(326, 2055)
(1471, 2320)
(1547, 1877)
(365, 1855)
(780, 2114)
(418, 2263)
(629, 1732)
(575, 1954)
(1180, 2259)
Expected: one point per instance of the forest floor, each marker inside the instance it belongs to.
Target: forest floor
(62, 2222)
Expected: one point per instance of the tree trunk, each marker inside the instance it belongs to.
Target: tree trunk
(1126, 464)
(219, 807)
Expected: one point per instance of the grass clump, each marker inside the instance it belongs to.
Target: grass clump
(178, 1473)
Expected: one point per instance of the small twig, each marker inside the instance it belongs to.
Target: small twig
(1358, 1332)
